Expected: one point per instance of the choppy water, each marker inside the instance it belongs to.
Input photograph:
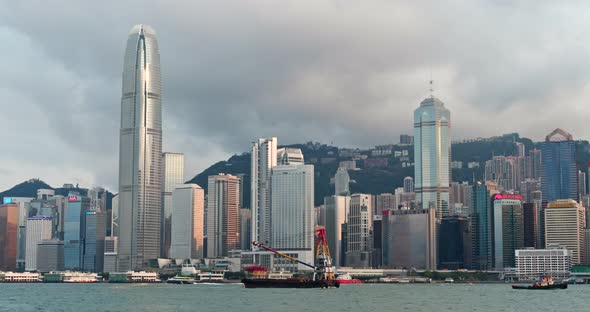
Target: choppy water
(365, 298)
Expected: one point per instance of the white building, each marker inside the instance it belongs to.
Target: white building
(555, 261)
(115, 216)
(408, 185)
(187, 222)
(292, 208)
(289, 156)
(334, 215)
(342, 182)
(360, 231)
(173, 176)
(264, 158)
(564, 226)
(38, 229)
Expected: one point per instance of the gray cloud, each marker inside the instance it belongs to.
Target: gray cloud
(348, 72)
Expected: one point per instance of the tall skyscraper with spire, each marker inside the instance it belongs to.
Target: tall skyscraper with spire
(432, 155)
(140, 151)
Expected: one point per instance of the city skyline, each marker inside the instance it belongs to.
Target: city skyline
(85, 77)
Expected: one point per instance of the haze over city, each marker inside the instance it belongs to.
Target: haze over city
(345, 72)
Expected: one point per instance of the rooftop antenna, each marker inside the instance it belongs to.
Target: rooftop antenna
(431, 89)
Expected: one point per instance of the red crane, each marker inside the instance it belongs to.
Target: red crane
(323, 269)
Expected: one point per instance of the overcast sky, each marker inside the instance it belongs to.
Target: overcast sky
(347, 72)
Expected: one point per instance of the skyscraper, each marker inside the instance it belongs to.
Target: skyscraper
(94, 237)
(507, 229)
(292, 209)
(559, 179)
(564, 226)
(481, 221)
(334, 213)
(342, 182)
(140, 151)
(289, 156)
(74, 228)
(264, 158)
(187, 222)
(432, 155)
(503, 171)
(360, 231)
(223, 215)
(173, 176)
(38, 229)
(9, 217)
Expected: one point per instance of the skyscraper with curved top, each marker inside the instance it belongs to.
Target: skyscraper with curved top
(140, 151)
(432, 155)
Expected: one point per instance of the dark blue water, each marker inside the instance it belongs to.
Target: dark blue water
(365, 298)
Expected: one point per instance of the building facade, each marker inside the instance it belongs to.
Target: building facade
(335, 215)
(559, 178)
(9, 235)
(140, 151)
(555, 261)
(481, 222)
(74, 227)
(409, 239)
(223, 215)
(264, 158)
(187, 226)
(565, 221)
(50, 256)
(507, 229)
(93, 241)
(360, 231)
(292, 208)
(341, 182)
(432, 155)
(38, 229)
(173, 176)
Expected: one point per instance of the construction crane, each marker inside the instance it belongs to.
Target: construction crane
(323, 269)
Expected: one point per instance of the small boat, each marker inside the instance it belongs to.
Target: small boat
(543, 282)
(182, 280)
(449, 280)
(347, 279)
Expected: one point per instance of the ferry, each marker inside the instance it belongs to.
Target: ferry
(21, 277)
(543, 282)
(181, 280)
(80, 277)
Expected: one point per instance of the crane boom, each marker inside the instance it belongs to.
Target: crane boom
(261, 245)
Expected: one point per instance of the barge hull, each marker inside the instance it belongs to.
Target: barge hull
(288, 283)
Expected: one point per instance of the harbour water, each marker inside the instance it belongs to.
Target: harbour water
(365, 298)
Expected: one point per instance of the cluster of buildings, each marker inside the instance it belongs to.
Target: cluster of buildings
(528, 212)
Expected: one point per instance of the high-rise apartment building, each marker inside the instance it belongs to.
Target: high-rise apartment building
(264, 158)
(140, 151)
(385, 201)
(360, 231)
(534, 164)
(432, 155)
(188, 222)
(292, 208)
(9, 219)
(74, 227)
(223, 215)
(502, 170)
(173, 176)
(341, 182)
(564, 226)
(507, 229)
(38, 229)
(559, 179)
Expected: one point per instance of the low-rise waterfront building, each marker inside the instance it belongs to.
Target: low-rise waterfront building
(555, 261)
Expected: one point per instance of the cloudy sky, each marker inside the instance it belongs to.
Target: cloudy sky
(341, 71)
